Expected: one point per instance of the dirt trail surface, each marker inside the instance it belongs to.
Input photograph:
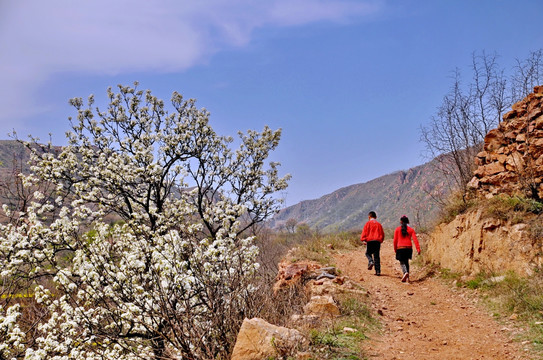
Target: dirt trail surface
(425, 319)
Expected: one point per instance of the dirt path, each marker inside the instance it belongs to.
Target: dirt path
(425, 319)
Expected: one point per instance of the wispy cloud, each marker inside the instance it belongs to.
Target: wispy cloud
(39, 39)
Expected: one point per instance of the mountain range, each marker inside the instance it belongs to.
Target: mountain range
(411, 192)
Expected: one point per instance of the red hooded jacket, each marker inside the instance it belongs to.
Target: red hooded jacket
(373, 230)
(405, 241)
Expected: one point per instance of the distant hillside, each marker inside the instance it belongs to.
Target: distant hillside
(13, 151)
(390, 196)
(403, 192)
(14, 156)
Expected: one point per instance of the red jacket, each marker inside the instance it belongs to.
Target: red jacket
(401, 241)
(372, 231)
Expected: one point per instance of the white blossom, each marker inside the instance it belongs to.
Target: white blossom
(163, 278)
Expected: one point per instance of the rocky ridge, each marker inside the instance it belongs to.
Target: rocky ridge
(258, 339)
(511, 163)
(512, 159)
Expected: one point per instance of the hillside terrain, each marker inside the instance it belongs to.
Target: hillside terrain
(475, 291)
(411, 192)
(10, 151)
(501, 228)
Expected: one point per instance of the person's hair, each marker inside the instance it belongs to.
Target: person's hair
(372, 214)
(404, 220)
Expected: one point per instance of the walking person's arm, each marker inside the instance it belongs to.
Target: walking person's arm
(364, 235)
(396, 236)
(416, 241)
(381, 233)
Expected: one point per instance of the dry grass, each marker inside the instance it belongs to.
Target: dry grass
(319, 248)
(511, 208)
(329, 340)
(343, 337)
(517, 298)
(510, 298)
(456, 205)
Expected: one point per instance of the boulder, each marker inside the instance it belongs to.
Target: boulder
(492, 168)
(520, 108)
(493, 140)
(258, 339)
(515, 162)
(323, 305)
(293, 273)
(322, 287)
(535, 113)
(510, 115)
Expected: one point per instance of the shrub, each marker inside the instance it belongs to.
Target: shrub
(456, 205)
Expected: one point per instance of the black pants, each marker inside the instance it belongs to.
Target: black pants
(372, 253)
(403, 256)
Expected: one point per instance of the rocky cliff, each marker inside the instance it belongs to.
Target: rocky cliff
(512, 164)
(512, 159)
(472, 243)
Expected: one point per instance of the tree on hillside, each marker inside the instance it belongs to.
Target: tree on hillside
(172, 278)
(290, 225)
(468, 112)
(528, 74)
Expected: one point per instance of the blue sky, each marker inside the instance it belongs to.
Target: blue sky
(349, 82)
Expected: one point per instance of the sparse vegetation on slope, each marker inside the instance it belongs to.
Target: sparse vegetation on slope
(341, 337)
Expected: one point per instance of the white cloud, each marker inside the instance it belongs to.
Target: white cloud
(41, 38)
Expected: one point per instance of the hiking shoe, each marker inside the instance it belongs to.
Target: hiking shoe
(377, 274)
(370, 266)
(405, 277)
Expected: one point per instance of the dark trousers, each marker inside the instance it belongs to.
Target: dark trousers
(372, 253)
(403, 256)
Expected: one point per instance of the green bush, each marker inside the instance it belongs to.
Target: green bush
(509, 208)
(456, 204)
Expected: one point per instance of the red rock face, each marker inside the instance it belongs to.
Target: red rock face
(292, 273)
(512, 160)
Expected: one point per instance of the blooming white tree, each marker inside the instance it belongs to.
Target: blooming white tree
(171, 277)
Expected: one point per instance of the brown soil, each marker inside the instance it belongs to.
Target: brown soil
(426, 319)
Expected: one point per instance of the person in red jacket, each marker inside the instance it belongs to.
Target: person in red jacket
(373, 235)
(403, 247)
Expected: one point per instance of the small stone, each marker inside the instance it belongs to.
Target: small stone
(303, 356)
